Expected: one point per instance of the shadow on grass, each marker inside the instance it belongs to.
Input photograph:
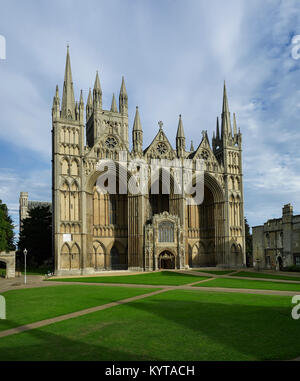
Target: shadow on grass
(175, 325)
(38, 345)
(257, 332)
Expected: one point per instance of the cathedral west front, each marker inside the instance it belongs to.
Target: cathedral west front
(95, 231)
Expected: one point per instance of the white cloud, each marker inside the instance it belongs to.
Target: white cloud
(175, 56)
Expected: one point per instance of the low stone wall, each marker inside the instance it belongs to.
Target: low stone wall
(10, 260)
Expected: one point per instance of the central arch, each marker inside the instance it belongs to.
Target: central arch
(166, 260)
(107, 224)
(205, 223)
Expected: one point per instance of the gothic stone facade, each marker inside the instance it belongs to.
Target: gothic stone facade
(94, 232)
(276, 244)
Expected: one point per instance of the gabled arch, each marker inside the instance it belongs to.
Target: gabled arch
(75, 257)
(98, 256)
(74, 167)
(65, 166)
(65, 186)
(74, 186)
(65, 257)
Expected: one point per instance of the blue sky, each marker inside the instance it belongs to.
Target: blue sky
(175, 55)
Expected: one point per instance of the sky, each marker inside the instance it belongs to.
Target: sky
(175, 56)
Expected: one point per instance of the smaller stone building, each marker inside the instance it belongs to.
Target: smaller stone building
(26, 205)
(9, 258)
(276, 244)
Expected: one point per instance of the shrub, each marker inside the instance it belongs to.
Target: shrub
(292, 268)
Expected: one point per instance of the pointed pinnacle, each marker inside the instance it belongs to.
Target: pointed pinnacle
(114, 104)
(56, 92)
(180, 132)
(68, 73)
(97, 82)
(225, 100)
(218, 129)
(81, 98)
(192, 149)
(137, 126)
(68, 99)
(89, 100)
(123, 87)
(234, 125)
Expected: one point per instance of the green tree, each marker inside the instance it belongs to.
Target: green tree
(6, 229)
(36, 237)
(248, 239)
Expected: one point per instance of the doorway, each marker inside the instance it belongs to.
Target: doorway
(166, 260)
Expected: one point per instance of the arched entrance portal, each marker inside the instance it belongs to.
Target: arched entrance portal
(166, 260)
(2, 269)
(279, 263)
(118, 261)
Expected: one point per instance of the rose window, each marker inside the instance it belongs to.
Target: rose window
(111, 142)
(161, 148)
(204, 155)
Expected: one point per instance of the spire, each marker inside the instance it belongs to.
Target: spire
(89, 100)
(180, 132)
(234, 125)
(56, 92)
(56, 104)
(137, 126)
(81, 107)
(89, 106)
(81, 98)
(97, 93)
(123, 88)
(192, 149)
(137, 133)
(217, 130)
(68, 100)
(114, 104)
(226, 125)
(123, 98)
(97, 82)
(225, 100)
(180, 139)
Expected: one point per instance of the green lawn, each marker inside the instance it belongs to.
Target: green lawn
(29, 305)
(175, 325)
(165, 278)
(266, 276)
(251, 284)
(216, 272)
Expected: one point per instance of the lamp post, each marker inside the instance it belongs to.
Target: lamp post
(25, 254)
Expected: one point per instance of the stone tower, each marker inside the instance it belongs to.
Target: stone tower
(23, 207)
(95, 231)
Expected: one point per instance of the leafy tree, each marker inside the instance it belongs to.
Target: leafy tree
(248, 239)
(36, 237)
(6, 229)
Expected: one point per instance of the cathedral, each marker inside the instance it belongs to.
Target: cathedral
(94, 231)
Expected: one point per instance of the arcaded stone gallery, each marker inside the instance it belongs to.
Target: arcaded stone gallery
(93, 231)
